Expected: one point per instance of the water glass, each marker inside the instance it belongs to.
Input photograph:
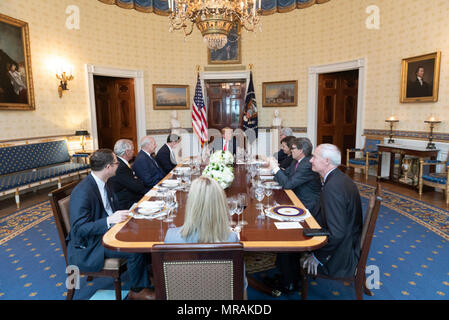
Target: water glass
(259, 193)
(268, 193)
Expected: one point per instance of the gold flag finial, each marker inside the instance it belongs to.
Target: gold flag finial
(250, 67)
(198, 68)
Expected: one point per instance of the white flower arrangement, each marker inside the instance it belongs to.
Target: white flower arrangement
(219, 168)
(224, 157)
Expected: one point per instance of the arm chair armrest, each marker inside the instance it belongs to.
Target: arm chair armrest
(354, 150)
(433, 162)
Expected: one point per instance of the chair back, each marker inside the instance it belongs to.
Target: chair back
(371, 146)
(198, 271)
(60, 200)
(368, 227)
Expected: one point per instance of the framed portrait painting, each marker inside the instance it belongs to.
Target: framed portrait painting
(170, 97)
(231, 53)
(420, 78)
(16, 81)
(280, 93)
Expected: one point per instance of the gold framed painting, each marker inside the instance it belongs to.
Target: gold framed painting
(16, 80)
(280, 93)
(420, 78)
(170, 97)
(231, 53)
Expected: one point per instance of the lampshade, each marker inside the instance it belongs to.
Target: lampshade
(81, 133)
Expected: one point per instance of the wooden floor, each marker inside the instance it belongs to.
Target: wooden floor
(437, 199)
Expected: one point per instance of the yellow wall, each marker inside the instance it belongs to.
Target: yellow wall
(287, 46)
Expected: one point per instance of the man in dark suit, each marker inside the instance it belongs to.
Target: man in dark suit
(145, 166)
(227, 141)
(128, 188)
(419, 87)
(92, 213)
(340, 213)
(306, 184)
(165, 156)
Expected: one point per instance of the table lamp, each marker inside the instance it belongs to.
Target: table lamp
(82, 133)
(391, 120)
(432, 121)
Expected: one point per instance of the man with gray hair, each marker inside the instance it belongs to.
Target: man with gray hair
(145, 165)
(340, 213)
(125, 184)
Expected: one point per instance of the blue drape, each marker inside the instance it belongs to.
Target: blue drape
(161, 6)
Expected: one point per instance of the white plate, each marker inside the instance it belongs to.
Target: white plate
(265, 172)
(170, 183)
(151, 204)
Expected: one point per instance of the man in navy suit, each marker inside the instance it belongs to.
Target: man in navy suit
(165, 156)
(92, 212)
(340, 212)
(306, 184)
(145, 166)
(128, 188)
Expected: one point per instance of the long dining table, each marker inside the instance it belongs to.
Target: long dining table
(139, 235)
(258, 235)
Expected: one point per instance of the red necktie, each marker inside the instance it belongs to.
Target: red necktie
(226, 145)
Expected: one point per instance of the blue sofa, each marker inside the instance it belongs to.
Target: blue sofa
(30, 165)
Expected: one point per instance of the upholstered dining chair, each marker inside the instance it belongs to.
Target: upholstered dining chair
(113, 267)
(359, 278)
(363, 158)
(198, 271)
(434, 179)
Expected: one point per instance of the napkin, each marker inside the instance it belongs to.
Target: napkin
(151, 204)
(288, 225)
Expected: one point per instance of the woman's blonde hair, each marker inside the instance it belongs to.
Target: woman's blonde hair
(206, 212)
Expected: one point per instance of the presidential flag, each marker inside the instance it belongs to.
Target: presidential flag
(250, 110)
(199, 115)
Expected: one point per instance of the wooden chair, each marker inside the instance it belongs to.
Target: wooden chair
(367, 159)
(434, 179)
(198, 271)
(359, 278)
(60, 199)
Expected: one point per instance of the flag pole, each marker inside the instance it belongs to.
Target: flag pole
(200, 147)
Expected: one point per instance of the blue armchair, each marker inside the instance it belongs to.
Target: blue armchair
(364, 158)
(434, 179)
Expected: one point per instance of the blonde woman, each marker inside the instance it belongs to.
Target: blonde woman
(206, 217)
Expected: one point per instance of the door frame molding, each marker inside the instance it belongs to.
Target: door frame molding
(223, 75)
(312, 105)
(139, 96)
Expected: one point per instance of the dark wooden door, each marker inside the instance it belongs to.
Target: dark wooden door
(337, 109)
(116, 112)
(225, 102)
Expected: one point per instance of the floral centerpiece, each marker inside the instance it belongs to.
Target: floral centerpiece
(220, 168)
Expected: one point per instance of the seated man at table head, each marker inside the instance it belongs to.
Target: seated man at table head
(206, 217)
(227, 141)
(145, 166)
(285, 132)
(340, 213)
(92, 212)
(128, 188)
(165, 156)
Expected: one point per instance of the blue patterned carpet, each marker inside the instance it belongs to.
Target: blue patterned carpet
(410, 248)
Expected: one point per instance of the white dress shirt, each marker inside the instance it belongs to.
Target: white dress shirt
(104, 196)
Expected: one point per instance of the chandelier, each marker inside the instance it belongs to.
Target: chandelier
(214, 18)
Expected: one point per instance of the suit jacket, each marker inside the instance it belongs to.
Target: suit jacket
(305, 183)
(165, 160)
(217, 144)
(341, 214)
(286, 162)
(87, 226)
(147, 169)
(415, 89)
(128, 188)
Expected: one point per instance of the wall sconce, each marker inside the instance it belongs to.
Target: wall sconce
(432, 121)
(391, 120)
(82, 133)
(63, 77)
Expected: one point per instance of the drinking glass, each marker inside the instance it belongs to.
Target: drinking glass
(268, 193)
(259, 193)
(171, 205)
(242, 204)
(231, 201)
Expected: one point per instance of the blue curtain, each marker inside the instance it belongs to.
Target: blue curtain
(161, 6)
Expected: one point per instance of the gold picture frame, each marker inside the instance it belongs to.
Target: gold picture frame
(280, 93)
(170, 97)
(425, 89)
(16, 79)
(231, 53)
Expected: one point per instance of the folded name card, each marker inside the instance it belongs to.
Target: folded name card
(288, 225)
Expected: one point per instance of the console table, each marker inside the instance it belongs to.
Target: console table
(402, 150)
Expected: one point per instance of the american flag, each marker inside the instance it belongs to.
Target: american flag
(199, 115)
